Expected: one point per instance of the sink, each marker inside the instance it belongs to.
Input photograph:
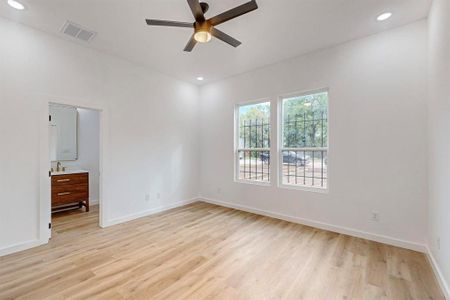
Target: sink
(55, 173)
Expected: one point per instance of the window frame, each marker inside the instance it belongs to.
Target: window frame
(236, 142)
(280, 149)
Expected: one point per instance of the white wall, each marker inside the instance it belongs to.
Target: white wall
(88, 150)
(377, 158)
(439, 136)
(151, 131)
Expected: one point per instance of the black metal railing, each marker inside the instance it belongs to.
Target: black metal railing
(305, 167)
(304, 154)
(254, 150)
(305, 130)
(254, 134)
(254, 165)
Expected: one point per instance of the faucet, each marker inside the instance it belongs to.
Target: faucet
(58, 166)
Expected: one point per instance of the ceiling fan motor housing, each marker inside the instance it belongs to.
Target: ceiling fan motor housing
(205, 6)
(205, 26)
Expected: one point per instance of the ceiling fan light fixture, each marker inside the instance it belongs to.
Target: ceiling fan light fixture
(202, 36)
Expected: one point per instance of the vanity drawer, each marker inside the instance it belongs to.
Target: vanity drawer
(77, 188)
(70, 179)
(68, 197)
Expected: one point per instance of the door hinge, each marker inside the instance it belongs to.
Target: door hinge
(49, 173)
(49, 225)
(49, 118)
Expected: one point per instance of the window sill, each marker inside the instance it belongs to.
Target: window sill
(304, 188)
(250, 182)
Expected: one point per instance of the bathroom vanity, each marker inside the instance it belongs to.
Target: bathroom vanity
(70, 189)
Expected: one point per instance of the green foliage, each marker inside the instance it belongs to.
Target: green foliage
(254, 125)
(305, 121)
(260, 111)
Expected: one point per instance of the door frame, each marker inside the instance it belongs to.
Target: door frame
(45, 164)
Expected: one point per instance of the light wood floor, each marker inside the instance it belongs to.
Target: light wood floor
(202, 251)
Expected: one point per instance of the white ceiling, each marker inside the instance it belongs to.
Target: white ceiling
(278, 30)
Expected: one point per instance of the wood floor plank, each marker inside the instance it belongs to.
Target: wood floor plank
(203, 251)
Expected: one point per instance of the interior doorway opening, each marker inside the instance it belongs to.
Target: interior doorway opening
(74, 156)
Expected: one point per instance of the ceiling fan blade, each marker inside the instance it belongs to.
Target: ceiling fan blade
(234, 12)
(225, 37)
(197, 10)
(190, 45)
(169, 23)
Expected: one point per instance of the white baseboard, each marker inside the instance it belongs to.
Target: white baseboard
(149, 212)
(93, 202)
(438, 273)
(325, 226)
(22, 246)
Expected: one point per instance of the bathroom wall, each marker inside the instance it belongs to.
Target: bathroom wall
(88, 150)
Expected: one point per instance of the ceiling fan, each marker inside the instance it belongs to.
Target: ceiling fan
(204, 28)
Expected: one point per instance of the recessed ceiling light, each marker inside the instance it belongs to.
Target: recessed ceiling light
(384, 16)
(16, 5)
(200, 78)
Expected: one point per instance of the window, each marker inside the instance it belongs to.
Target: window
(253, 142)
(304, 141)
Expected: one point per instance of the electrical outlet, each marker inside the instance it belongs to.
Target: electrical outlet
(158, 196)
(219, 190)
(147, 197)
(375, 216)
(438, 243)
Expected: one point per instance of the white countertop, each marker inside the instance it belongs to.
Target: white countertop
(66, 172)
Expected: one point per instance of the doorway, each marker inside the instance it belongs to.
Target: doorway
(73, 159)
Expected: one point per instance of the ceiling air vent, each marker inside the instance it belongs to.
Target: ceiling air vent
(76, 31)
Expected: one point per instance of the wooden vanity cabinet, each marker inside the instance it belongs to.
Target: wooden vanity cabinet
(70, 191)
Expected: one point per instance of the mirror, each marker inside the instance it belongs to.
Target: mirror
(63, 132)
